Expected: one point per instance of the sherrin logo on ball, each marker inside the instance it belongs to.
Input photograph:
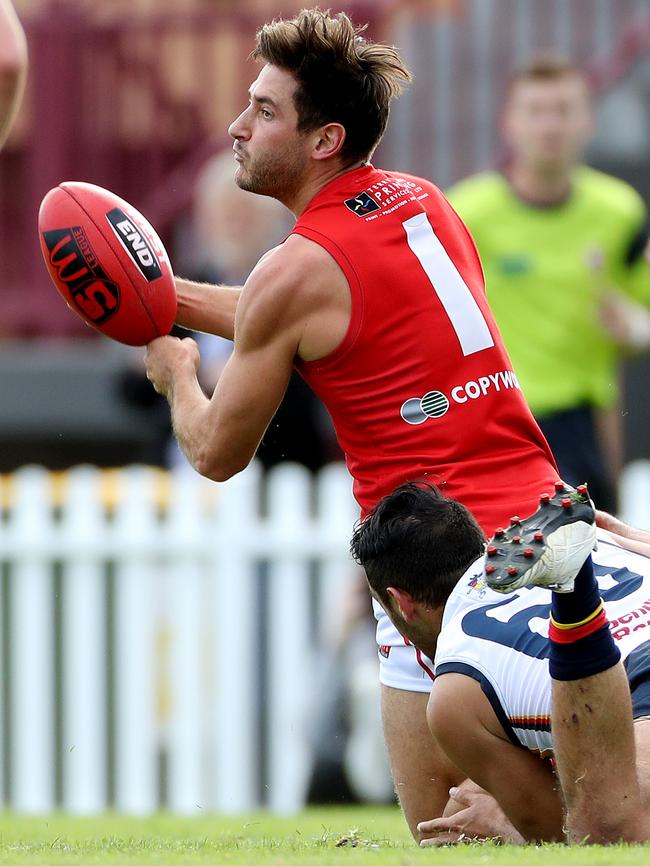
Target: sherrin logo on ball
(76, 266)
(107, 262)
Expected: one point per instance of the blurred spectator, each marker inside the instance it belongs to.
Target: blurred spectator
(562, 246)
(13, 66)
(227, 232)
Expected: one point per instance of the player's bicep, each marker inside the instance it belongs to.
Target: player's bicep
(465, 725)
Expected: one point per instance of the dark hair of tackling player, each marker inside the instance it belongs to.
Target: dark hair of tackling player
(419, 541)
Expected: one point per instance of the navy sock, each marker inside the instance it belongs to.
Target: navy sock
(573, 608)
(580, 639)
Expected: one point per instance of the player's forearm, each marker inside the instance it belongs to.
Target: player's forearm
(13, 66)
(206, 443)
(207, 308)
(637, 540)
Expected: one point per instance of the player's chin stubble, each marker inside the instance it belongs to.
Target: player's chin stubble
(275, 175)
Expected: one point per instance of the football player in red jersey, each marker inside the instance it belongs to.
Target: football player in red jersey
(13, 66)
(377, 297)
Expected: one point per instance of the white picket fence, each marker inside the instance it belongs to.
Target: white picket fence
(136, 651)
(159, 634)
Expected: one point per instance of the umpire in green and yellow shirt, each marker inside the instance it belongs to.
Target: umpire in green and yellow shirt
(562, 247)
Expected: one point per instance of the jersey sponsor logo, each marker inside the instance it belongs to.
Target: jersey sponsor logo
(362, 205)
(135, 243)
(385, 197)
(435, 404)
(416, 410)
(625, 624)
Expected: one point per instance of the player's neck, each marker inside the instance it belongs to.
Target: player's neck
(321, 175)
(427, 629)
(540, 187)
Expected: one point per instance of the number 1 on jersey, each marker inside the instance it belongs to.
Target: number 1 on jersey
(460, 305)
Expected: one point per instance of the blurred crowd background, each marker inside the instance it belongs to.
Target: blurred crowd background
(136, 95)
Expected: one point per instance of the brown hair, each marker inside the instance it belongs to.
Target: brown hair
(342, 77)
(546, 67)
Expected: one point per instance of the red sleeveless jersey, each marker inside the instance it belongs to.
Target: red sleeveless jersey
(421, 386)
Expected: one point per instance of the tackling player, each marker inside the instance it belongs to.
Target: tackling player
(377, 298)
(523, 677)
(13, 66)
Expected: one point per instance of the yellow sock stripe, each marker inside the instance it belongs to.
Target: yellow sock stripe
(563, 625)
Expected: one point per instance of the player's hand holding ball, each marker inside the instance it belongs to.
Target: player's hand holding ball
(167, 356)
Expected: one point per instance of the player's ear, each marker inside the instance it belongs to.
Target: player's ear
(403, 601)
(329, 140)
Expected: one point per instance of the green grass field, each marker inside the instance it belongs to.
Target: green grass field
(317, 837)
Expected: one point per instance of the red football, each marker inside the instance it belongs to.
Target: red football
(107, 262)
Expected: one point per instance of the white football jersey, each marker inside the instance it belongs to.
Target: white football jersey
(502, 640)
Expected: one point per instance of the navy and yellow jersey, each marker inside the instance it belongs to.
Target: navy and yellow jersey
(502, 641)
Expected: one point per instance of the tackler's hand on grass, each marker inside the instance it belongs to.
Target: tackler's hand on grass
(470, 814)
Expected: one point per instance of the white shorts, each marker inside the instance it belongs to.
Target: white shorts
(401, 665)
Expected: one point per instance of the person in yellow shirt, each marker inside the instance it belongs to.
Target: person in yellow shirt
(13, 66)
(562, 247)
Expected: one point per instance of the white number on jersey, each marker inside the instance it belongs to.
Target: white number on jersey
(459, 303)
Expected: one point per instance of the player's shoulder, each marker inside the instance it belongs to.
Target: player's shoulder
(289, 263)
(470, 591)
(457, 704)
(477, 192)
(290, 275)
(609, 193)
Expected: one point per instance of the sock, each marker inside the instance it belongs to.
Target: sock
(572, 609)
(579, 634)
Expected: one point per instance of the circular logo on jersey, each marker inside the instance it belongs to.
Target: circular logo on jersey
(434, 404)
(411, 411)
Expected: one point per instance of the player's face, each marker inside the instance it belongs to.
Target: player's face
(271, 154)
(547, 123)
(418, 630)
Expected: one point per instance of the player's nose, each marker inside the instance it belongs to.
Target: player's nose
(239, 128)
